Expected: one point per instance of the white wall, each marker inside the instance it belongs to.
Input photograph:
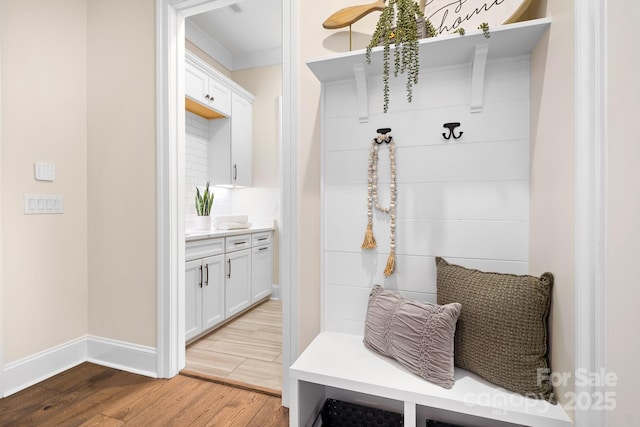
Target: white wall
(466, 200)
(623, 211)
(552, 179)
(44, 118)
(122, 170)
(261, 201)
(197, 152)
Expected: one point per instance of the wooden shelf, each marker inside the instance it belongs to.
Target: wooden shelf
(199, 109)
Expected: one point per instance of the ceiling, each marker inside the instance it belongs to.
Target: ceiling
(245, 34)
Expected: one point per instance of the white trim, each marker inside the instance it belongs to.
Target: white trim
(289, 189)
(38, 367)
(211, 47)
(2, 381)
(45, 364)
(262, 58)
(590, 210)
(116, 354)
(170, 252)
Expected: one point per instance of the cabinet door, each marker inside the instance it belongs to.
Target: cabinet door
(241, 141)
(213, 291)
(219, 97)
(238, 281)
(193, 294)
(196, 84)
(261, 272)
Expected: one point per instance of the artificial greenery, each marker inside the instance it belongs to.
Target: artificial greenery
(460, 31)
(204, 201)
(404, 36)
(485, 29)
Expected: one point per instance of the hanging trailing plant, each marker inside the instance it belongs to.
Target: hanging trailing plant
(410, 26)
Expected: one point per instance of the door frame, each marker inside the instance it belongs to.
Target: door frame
(170, 128)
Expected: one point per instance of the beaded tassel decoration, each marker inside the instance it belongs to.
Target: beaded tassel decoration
(372, 202)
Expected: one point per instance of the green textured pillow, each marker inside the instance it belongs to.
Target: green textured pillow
(502, 331)
(418, 335)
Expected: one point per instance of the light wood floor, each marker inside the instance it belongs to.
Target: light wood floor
(244, 352)
(92, 395)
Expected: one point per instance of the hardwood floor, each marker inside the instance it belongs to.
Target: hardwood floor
(92, 395)
(246, 352)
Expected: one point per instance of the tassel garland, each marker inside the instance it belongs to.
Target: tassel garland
(372, 202)
(391, 264)
(369, 240)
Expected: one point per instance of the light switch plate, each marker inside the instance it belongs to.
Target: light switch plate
(45, 171)
(43, 204)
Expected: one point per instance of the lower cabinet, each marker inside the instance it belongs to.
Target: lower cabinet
(223, 277)
(238, 281)
(204, 294)
(261, 272)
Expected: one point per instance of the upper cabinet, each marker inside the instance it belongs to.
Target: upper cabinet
(201, 87)
(229, 108)
(241, 141)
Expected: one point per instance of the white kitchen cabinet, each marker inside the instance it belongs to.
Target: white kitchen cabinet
(231, 142)
(261, 265)
(241, 140)
(193, 297)
(202, 87)
(204, 294)
(230, 160)
(261, 272)
(238, 282)
(220, 281)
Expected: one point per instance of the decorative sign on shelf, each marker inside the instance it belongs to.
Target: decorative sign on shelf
(449, 15)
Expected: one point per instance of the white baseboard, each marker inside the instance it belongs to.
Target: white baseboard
(38, 367)
(30, 370)
(275, 291)
(122, 355)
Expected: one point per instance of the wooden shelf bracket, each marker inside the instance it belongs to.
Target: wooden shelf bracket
(362, 92)
(477, 77)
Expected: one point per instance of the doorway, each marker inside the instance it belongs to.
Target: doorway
(170, 52)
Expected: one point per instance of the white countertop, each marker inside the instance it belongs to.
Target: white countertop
(191, 235)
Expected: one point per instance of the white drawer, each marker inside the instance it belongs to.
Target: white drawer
(237, 243)
(203, 248)
(262, 238)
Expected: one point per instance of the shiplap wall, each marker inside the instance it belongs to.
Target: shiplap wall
(466, 200)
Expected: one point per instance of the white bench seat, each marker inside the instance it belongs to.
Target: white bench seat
(340, 366)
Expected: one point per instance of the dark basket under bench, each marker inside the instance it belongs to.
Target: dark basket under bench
(336, 413)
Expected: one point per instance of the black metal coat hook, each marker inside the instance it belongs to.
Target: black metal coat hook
(382, 135)
(451, 127)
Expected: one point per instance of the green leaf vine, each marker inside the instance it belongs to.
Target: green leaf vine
(405, 37)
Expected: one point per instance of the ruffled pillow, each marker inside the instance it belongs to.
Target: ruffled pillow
(419, 336)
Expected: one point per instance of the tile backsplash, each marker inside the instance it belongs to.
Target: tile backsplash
(196, 161)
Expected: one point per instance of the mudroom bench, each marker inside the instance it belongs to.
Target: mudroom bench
(339, 366)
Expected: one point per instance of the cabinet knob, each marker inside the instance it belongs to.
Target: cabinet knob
(207, 96)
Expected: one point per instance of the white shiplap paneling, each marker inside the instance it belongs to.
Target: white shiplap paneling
(466, 200)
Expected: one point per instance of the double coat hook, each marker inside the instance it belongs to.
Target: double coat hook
(451, 127)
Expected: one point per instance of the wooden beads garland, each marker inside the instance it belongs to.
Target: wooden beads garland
(372, 193)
